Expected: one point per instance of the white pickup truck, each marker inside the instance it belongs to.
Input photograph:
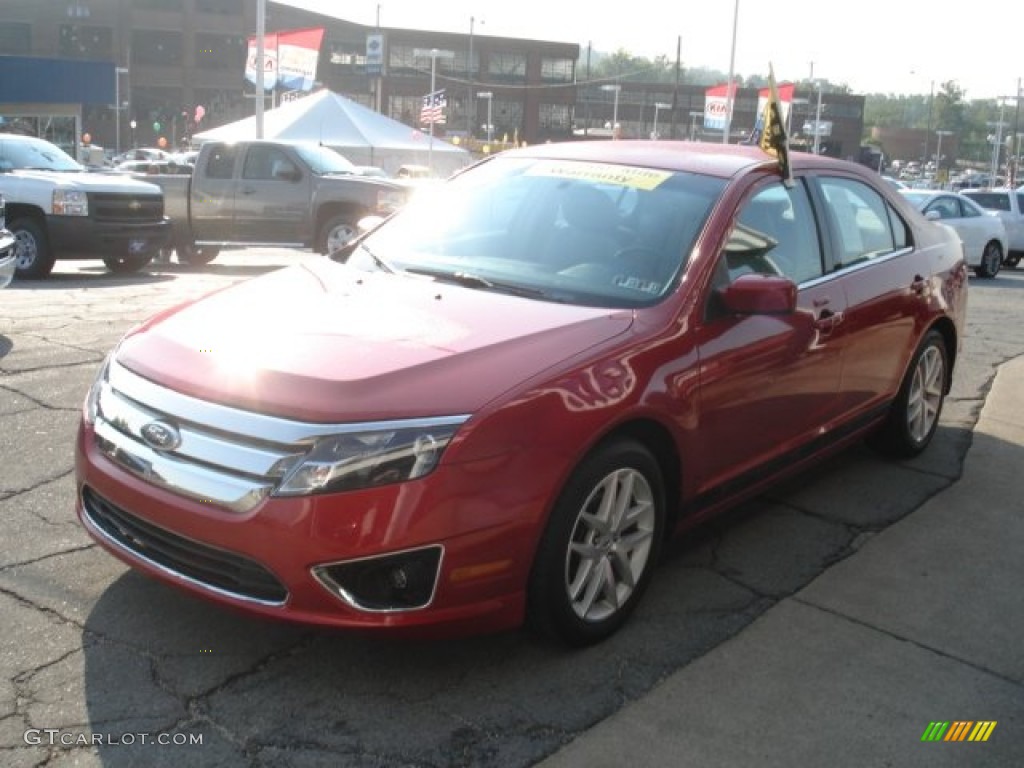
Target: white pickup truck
(59, 210)
(1009, 206)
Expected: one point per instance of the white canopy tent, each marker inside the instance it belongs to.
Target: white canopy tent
(363, 136)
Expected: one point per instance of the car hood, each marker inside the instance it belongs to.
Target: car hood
(324, 342)
(89, 182)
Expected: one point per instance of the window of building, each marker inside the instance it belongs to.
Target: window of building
(557, 70)
(79, 41)
(405, 109)
(156, 48)
(220, 51)
(224, 7)
(159, 5)
(15, 38)
(507, 67)
(508, 120)
(554, 117)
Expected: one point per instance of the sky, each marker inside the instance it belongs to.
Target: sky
(874, 46)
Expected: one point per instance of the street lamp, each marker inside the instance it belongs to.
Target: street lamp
(490, 102)
(658, 105)
(614, 87)
(434, 55)
(133, 125)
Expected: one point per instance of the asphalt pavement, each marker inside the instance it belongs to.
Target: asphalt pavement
(903, 654)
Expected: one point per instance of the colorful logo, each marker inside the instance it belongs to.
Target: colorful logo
(959, 730)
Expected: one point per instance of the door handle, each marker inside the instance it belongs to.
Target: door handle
(828, 320)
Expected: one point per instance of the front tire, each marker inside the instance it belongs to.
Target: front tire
(34, 259)
(914, 417)
(338, 232)
(600, 547)
(991, 260)
(197, 256)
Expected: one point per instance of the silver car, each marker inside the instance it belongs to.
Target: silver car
(7, 249)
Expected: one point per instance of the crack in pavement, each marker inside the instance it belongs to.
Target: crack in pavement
(12, 492)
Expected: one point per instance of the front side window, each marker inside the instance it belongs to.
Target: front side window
(573, 232)
(221, 162)
(261, 162)
(775, 234)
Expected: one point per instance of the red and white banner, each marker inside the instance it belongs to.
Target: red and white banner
(716, 107)
(785, 100)
(289, 58)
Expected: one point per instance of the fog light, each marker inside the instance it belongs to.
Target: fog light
(403, 581)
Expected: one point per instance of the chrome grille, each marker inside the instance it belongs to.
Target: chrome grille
(119, 208)
(216, 569)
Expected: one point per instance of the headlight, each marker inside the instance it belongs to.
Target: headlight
(390, 200)
(91, 409)
(70, 202)
(344, 462)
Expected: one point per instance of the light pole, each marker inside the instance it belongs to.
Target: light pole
(730, 97)
(658, 105)
(615, 88)
(997, 144)
(694, 114)
(490, 102)
(434, 55)
(817, 121)
(118, 106)
(938, 150)
(133, 125)
(470, 113)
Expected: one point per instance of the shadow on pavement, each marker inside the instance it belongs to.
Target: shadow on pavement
(161, 662)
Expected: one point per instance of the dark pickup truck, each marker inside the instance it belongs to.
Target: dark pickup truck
(268, 192)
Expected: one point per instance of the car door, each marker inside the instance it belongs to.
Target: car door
(884, 278)
(768, 382)
(273, 198)
(212, 195)
(949, 211)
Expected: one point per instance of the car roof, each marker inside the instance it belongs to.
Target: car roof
(723, 160)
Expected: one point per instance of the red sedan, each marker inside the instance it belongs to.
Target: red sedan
(496, 406)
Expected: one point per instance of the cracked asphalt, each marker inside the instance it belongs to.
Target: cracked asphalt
(99, 665)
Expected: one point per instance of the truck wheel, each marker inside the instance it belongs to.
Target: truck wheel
(34, 258)
(1012, 259)
(338, 232)
(125, 265)
(196, 256)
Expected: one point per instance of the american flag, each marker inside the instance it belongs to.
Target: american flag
(433, 107)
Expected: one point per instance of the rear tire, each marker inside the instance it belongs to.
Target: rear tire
(1012, 259)
(600, 547)
(991, 260)
(914, 416)
(34, 259)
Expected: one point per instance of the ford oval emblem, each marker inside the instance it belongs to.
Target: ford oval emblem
(161, 435)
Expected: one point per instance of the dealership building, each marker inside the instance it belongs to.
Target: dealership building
(148, 64)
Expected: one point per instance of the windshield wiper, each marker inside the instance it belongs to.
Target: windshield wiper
(471, 280)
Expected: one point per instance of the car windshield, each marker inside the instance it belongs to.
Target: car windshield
(35, 154)
(576, 232)
(323, 160)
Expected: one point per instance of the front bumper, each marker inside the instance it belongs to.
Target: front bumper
(81, 236)
(274, 561)
(8, 260)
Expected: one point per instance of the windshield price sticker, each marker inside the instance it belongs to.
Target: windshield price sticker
(621, 175)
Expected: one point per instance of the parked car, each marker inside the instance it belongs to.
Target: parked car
(8, 245)
(1008, 205)
(982, 233)
(497, 405)
(151, 167)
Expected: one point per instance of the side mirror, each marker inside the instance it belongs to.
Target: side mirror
(759, 295)
(286, 172)
(933, 216)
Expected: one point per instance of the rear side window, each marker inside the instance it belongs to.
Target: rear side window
(221, 162)
(864, 224)
(994, 201)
